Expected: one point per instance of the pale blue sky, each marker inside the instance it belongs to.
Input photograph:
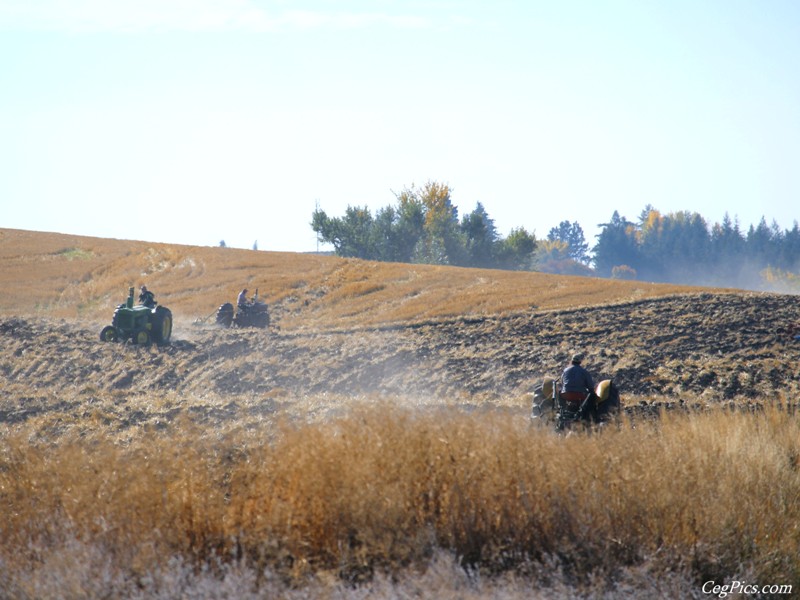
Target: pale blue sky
(192, 121)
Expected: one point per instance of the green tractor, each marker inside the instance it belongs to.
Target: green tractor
(139, 324)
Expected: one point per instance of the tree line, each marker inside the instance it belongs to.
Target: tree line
(423, 226)
(681, 247)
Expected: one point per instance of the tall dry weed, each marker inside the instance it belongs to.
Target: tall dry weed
(385, 489)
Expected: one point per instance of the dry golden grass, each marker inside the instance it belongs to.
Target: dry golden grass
(71, 276)
(383, 490)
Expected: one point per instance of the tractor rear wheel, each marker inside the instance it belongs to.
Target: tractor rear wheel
(109, 334)
(225, 315)
(161, 325)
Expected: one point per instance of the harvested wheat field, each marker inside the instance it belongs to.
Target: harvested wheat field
(374, 441)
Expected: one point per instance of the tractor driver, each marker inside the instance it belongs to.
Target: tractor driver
(242, 300)
(576, 382)
(146, 297)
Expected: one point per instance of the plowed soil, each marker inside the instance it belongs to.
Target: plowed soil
(706, 348)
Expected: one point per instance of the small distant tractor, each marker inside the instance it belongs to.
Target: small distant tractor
(138, 323)
(253, 314)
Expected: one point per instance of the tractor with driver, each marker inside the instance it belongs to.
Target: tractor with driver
(248, 313)
(141, 324)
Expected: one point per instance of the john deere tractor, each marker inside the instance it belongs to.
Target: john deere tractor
(138, 323)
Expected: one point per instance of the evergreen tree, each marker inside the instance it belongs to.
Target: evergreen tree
(572, 235)
(673, 247)
(762, 244)
(350, 235)
(480, 237)
(789, 258)
(654, 243)
(727, 252)
(515, 252)
(410, 226)
(384, 234)
(358, 224)
(616, 246)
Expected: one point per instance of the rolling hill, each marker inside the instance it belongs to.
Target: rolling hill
(60, 275)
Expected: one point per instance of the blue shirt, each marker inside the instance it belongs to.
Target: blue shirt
(576, 379)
